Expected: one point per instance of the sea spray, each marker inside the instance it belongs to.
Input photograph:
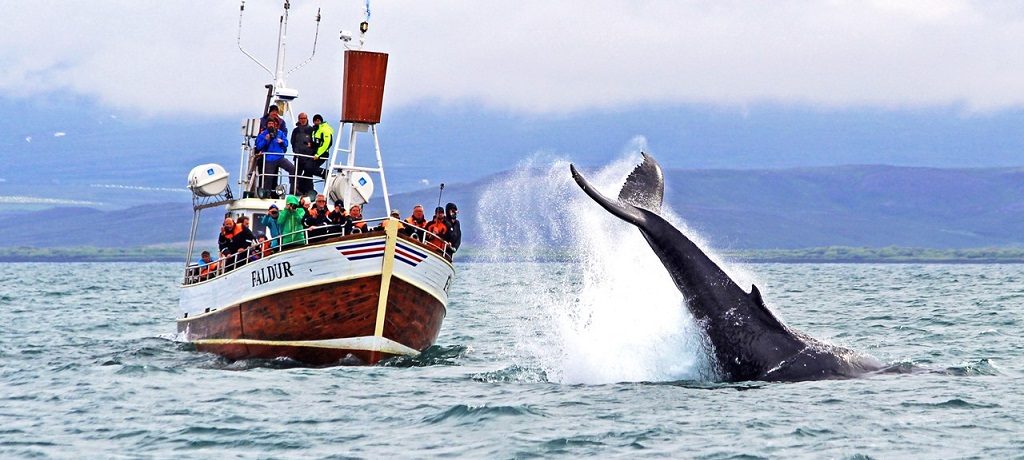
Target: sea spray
(617, 316)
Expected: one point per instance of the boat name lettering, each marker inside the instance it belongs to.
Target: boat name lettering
(274, 272)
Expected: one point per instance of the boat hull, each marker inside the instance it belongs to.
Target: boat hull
(322, 305)
(321, 325)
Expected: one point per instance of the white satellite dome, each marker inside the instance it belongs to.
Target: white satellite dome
(361, 186)
(208, 180)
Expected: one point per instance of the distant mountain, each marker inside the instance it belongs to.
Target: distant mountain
(869, 206)
(63, 147)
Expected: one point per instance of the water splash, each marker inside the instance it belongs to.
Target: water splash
(617, 315)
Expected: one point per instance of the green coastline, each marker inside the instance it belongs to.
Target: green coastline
(830, 254)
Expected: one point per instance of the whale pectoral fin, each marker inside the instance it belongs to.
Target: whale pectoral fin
(769, 317)
(645, 185)
(624, 211)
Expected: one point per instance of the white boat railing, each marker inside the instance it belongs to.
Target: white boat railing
(196, 273)
(257, 175)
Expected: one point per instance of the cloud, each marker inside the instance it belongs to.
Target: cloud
(140, 188)
(18, 199)
(60, 134)
(424, 182)
(28, 139)
(532, 56)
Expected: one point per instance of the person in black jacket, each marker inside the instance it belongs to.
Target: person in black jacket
(454, 226)
(302, 147)
(340, 222)
(317, 220)
(234, 239)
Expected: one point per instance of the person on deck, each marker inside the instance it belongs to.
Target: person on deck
(438, 229)
(323, 139)
(454, 227)
(340, 222)
(394, 215)
(274, 113)
(302, 147)
(270, 221)
(290, 220)
(273, 143)
(261, 248)
(231, 241)
(247, 238)
(207, 266)
(415, 222)
(356, 214)
(317, 220)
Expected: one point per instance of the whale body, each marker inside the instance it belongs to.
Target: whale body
(746, 339)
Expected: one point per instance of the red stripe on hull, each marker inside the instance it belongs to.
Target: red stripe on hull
(337, 310)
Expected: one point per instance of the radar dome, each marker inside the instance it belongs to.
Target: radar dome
(360, 185)
(208, 180)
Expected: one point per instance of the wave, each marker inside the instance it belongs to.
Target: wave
(436, 355)
(463, 414)
(617, 316)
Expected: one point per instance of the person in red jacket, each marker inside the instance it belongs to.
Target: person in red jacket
(438, 235)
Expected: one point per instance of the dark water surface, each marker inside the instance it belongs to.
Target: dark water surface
(90, 369)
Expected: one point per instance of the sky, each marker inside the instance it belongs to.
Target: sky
(475, 88)
(529, 57)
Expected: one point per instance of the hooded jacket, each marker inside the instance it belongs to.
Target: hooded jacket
(291, 222)
(272, 227)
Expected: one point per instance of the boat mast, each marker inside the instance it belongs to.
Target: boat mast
(277, 92)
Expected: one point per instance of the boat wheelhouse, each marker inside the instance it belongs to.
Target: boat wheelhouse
(347, 293)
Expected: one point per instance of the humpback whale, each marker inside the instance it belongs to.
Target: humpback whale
(746, 339)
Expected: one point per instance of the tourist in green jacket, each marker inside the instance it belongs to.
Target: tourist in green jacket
(290, 220)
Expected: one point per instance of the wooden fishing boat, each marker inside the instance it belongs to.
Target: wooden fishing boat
(345, 296)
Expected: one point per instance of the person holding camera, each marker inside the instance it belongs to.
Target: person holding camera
(290, 221)
(272, 143)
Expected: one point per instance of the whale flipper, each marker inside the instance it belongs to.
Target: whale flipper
(645, 186)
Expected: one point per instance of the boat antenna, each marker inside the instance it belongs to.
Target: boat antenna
(241, 11)
(439, 192)
(316, 35)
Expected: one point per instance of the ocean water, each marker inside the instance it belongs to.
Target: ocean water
(596, 356)
(530, 363)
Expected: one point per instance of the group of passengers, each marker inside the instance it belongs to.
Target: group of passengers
(310, 144)
(302, 221)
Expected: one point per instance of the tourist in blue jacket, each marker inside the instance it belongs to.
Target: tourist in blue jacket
(272, 143)
(270, 221)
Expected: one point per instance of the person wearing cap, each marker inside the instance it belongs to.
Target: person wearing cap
(323, 139)
(274, 113)
(290, 220)
(394, 215)
(438, 229)
(454, 227)
(340, 223)
(270, 221)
